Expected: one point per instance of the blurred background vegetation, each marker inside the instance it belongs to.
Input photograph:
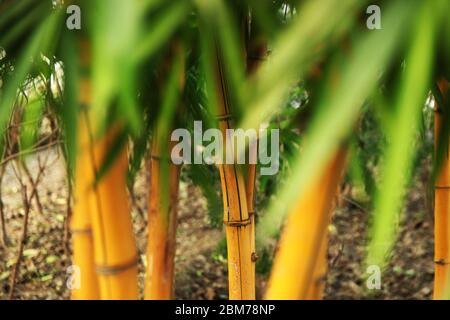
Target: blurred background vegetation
(327, 80)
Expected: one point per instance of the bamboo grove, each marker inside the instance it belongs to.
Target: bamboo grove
(137, 70)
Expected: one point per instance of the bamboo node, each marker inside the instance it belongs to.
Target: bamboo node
(237, 223)
(441, 262)
(257, 58)
(255, 257)
(442, 187)
(110, 270)
(86, 231)
(224, 117)
(159, 158)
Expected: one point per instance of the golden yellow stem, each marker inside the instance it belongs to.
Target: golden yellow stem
(256, 53)
(162, 223)
(442, 211)
(304, 234)
(317, 286)
(84, 207)
(236, 217)
(115, 251)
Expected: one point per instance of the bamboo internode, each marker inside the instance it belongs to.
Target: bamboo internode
(115, 251)
(85, 206)
(106, 204)
(236, 215)
(256, 54)
(303, 240)
(162, 225)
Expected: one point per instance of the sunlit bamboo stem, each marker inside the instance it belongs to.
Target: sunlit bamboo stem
(256, 54)
(303, 239)
(86, 286)
(236, 216)
(162, 222)
(442, 207)
(115, 253)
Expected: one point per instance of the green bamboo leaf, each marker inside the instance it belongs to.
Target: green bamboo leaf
(32, 116)
(337, 111)
(318, 24)
(69, 110)
(229, 43)
(114, 150)
(399, 154)
(8, 94)
(116, 26)
(160, 30)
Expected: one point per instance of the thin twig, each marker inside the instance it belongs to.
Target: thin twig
(26, 204)
(24, 234)
(353, 202)
(33, 184)
(67, 219)
(28, 151)
(4, 238)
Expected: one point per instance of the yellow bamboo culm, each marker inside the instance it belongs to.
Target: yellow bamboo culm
(115, 251)
(303, 239)
(256, 54)
(442, 210)
(250, 178)
(241, 285)
(86, 285)
(162, 223)
(317, 286)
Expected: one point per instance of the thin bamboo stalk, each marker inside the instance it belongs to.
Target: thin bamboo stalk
(162, 224)
(85, 205)
(236, 216)
(250, 187)
(304, 236)
(163, 195)
(256, 54)
(442, 210)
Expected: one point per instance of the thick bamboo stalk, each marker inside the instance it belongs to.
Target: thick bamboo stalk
(115, 251)
(317, 286)
(442, 210)
(236, 216)
(162, 223)
(87, 287)
(304, 234)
